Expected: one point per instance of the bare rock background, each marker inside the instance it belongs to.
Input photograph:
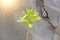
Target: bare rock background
(10, 29)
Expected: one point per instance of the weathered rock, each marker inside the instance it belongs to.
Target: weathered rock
(10, 29)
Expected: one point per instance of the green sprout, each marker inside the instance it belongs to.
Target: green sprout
(28, 18)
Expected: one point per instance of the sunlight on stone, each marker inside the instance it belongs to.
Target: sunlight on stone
(9, 6)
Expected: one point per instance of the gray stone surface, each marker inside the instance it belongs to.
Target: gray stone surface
(10, 29)
(53, 9)
(42, 30)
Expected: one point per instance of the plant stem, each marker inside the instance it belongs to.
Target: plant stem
(27, 34)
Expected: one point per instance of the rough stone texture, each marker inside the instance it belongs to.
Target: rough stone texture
(53, 9)
(42, 30)
(10, 29)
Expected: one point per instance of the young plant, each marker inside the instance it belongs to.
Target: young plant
(28, 18)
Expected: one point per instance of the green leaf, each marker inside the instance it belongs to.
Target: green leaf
(36, 19)
(30, 25)
(29, 11)
(31, 16)
(35, 13)
(22, 20)
(24, 17)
